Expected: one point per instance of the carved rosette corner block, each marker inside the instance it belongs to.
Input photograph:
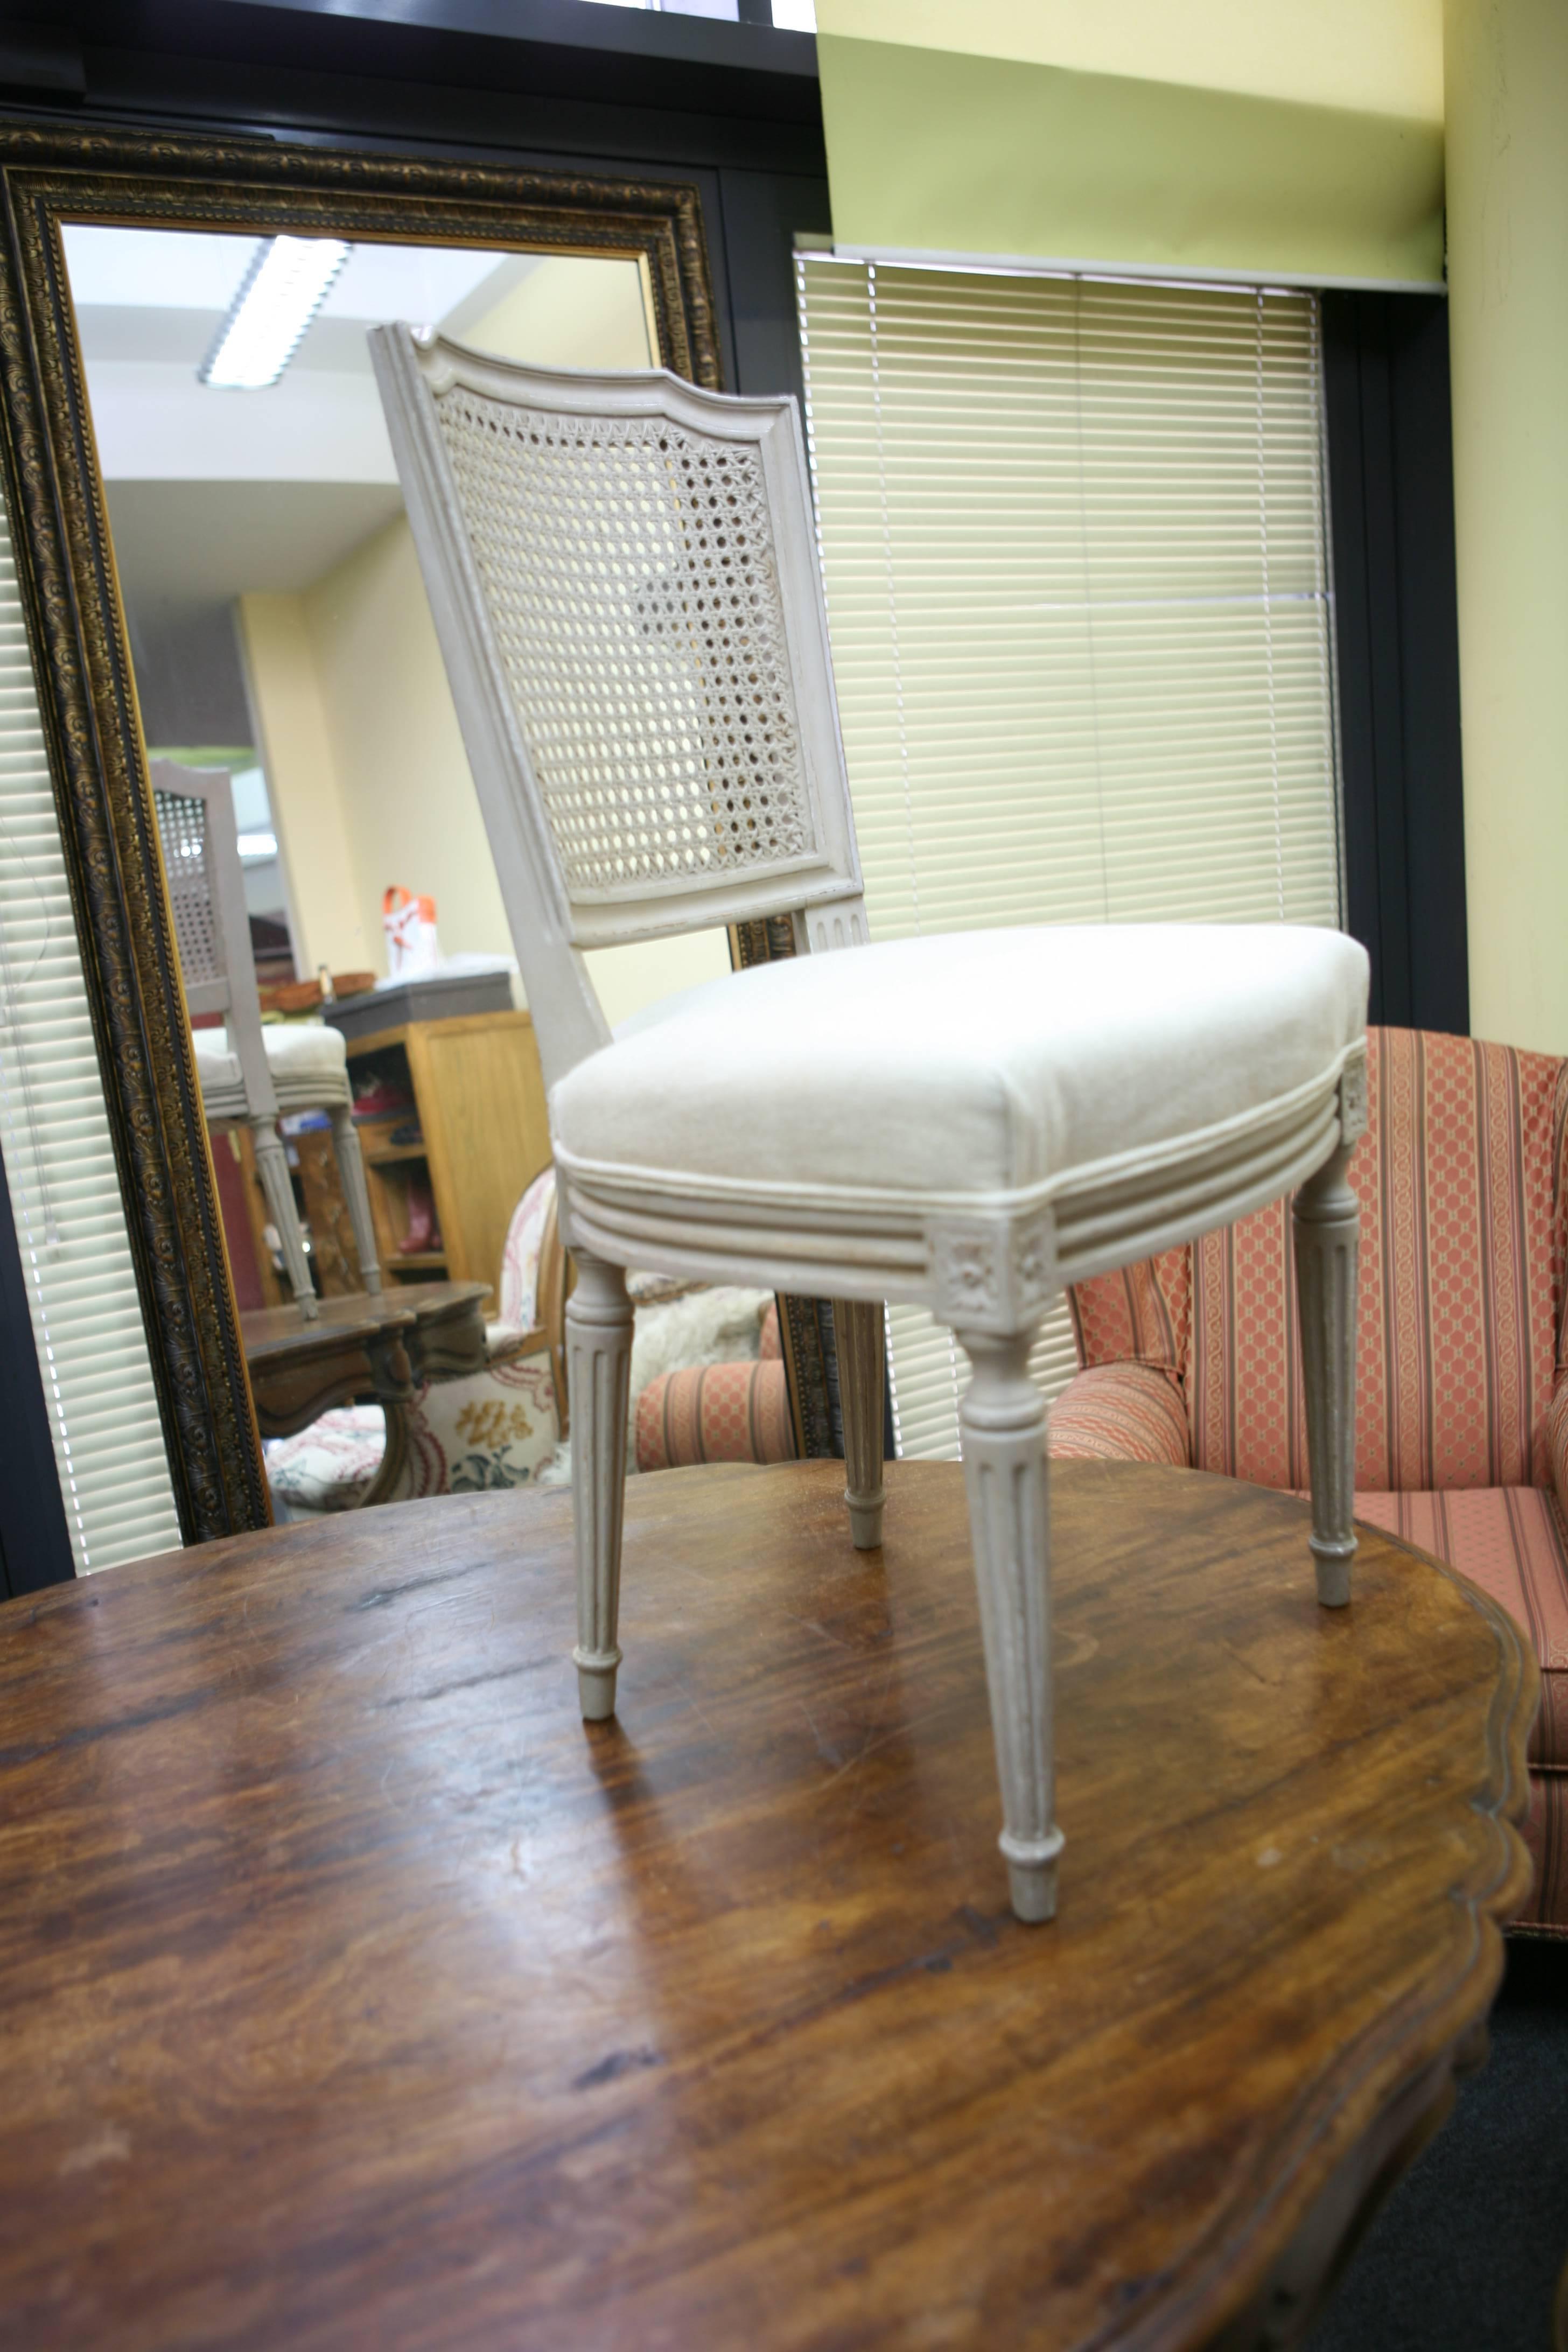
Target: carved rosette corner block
(1352, 1099)
(598, 1375)
(993, 1274)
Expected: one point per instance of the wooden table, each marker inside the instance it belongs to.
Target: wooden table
(377, 1348)
(354, 1993)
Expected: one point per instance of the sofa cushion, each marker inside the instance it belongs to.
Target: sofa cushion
(1514, 1542)
(1139, 1314)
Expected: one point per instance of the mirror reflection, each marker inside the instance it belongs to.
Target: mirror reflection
(367, 1058)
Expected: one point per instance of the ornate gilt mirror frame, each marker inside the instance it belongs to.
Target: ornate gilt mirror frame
(65, 566)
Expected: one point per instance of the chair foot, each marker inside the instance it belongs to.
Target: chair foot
(1333, 1562)
(1032, 1878)
(596, 1685)
(866, 1518)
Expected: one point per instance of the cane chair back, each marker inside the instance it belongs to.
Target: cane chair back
(623, 575)
(205, 882)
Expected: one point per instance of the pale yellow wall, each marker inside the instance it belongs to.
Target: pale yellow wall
(1507, 77)
(302, 785)
(410, 811)
(370, 783)
(569, 311)
(1382, 56)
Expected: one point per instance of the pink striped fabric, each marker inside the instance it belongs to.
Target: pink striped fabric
(1461, 1380)
(1121, 1413)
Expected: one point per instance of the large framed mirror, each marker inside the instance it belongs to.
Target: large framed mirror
(238, 689)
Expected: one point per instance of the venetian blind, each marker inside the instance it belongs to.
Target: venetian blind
(65, 1187)
(1074, 542)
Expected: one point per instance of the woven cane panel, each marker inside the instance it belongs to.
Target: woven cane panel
(182, 829)
(628, 568)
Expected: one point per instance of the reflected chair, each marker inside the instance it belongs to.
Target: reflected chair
(623, 575)
(250, 1074)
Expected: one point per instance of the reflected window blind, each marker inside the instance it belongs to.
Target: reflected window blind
(1074, 542)
(59, 1162)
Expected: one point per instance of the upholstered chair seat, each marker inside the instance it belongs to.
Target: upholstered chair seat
(307, 1063)
(1112, 1075)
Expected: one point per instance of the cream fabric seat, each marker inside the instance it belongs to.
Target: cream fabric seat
(623, 575)
(308, 1064)
(1061, 1060)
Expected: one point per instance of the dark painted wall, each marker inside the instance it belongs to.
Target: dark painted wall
(1396, 619)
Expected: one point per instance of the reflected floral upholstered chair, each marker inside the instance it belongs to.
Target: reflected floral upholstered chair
(1461, 1376)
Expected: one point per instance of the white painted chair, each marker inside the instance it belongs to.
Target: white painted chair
(624, 580)
(250, 1076)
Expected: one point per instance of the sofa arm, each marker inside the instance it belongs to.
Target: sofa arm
(1121, 1413)
(716, 1412)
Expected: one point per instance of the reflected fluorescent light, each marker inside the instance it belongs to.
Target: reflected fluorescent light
(258, 845)
(283, 289)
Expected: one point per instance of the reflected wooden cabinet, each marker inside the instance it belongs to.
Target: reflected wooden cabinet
(477, 1097)
(471, 1087)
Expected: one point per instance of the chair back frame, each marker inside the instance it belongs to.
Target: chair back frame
(816, 881)
(206, 900)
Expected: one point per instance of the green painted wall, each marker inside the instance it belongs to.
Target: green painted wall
(930, 149)
(1507, 76)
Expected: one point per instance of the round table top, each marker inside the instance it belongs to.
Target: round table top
(354, 1993)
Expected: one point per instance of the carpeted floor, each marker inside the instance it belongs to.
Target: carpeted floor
(1464, 2256)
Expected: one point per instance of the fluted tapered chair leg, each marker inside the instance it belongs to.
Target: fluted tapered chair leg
(598, 1370)
(351, 1168)
(1327, 1228)
(859, 1332)
(1002, 1417)
(272, 1167)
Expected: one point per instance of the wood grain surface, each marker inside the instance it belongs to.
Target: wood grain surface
(354, 1992)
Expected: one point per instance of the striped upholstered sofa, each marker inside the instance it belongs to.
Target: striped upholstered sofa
(1462, 1379)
